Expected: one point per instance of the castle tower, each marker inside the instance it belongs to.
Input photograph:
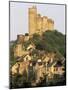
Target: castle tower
(20, 38)
(39, 24)
(44, 23)
(50, 24)
(32, 12)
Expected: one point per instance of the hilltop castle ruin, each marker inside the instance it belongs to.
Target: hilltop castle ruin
(37, 23)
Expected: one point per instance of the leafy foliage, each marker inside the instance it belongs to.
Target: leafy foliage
(55, 41)
(50, 41)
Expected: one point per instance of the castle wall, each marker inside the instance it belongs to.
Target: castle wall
(44, 23)
(18, 50)
(50, 24)
(38, 24)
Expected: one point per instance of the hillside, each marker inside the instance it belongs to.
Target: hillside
(50, 41)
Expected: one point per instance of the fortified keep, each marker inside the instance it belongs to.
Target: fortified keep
(32, 14)
(37, 23)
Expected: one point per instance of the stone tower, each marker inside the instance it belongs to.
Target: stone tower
(50, 24)
(44, 23)
(39, 24)
(32, 12)
(20, 38)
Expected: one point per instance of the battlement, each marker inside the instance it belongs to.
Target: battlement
(38, 23)
(50, 21)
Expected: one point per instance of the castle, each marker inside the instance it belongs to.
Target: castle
(38, 23)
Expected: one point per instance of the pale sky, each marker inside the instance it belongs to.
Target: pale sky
(19, 17)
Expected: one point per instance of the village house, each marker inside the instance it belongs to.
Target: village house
(30, 47)
(40, 70)
(59, 69)
(27, 58)
(54, 68)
